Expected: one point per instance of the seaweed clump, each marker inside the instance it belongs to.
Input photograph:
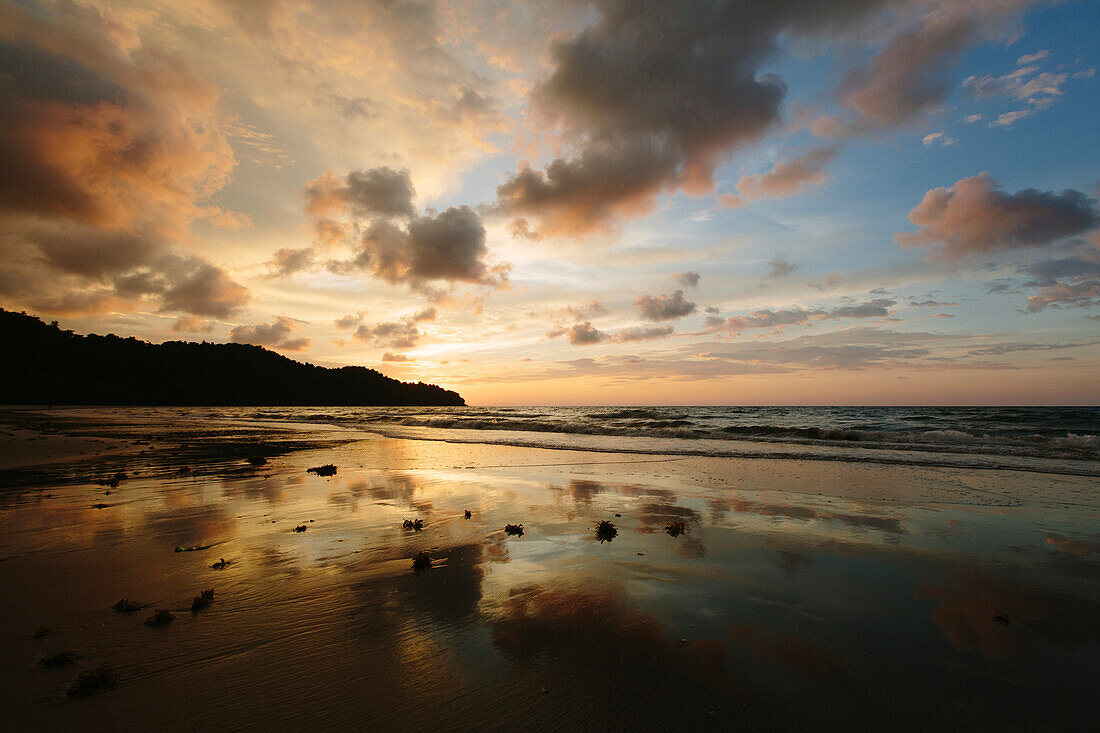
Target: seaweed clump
(125, 605)
(57, 660)
(221, 564)
(414, 524)
(675, 529)
(202, 601)
(467, 514)
(513, 529)
(162, 617)
(301, 528)
(193, 548)
(326, 470)
(605, 531)
(257, 461)
(422, 561)
(91, 681)
(1002, 619)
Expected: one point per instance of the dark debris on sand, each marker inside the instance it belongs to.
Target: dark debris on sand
(467, 514)
(257, 461)
(113, 481)
(301, 528)
(91, 682)
(125, 605)
(221, 564)
(57, 660)
(327, 470)
(513, 530)
(193, 548)
(162, 617)
(605, 531)
(42, 631)
(413, 524)
(675, 529)
(422, 561)
(1002, 619)
(202, 601)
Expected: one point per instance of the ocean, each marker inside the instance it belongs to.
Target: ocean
(1046, 439)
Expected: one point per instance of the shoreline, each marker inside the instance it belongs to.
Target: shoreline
(798, 590)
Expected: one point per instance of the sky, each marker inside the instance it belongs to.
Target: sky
(567, 202)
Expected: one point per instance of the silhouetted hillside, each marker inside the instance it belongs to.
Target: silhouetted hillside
(41, 364)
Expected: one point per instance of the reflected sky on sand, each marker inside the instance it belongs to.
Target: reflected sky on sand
(774, 608)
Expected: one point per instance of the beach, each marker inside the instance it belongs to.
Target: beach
(903, 589)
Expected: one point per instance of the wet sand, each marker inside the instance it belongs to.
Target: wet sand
(802, 594)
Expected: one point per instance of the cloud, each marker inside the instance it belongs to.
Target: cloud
(398, 334)
(688, 278)
(184, 284)
(974, 216)
(192, 324)
(112, 151)
(376, 192)
(643, 333)
(277, 335)
(651, 98)
(1032, 58)
(937, 137)
(350, 320)
(589, 310)
(1022, 84)
(786, 178)
(395, 357)
(766, 318)
(664, 307)
(448, 246)
(1048, 271)
(1084, 294)
(906, 80)
(581, 334)
(585, 334)
(779, 266)
(288, 261)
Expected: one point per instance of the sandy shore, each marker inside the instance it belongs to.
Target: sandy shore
(801, 593)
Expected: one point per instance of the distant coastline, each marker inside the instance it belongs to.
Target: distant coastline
(40, 364)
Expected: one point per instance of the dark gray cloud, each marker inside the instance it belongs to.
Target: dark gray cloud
(448, 246)
(375, 192)
(192, 285)
(277, 335)
(652, 97)
(288, 261)
(974, 216)
(1049, 271)
(664, 307)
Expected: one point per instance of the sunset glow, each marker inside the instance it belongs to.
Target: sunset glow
(572, 203)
